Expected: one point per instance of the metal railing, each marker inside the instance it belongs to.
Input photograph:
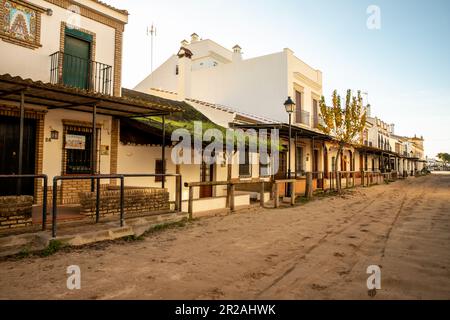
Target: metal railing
(97, 178)
(303, 117)
(73, 71)
(44, 197)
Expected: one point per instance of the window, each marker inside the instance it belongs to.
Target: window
(177, 70)
(299, 161)
(333, 164)
(245, 168)
(298, 107)
(315, 113)
(78, 150)
(264, 169)
(159, 170)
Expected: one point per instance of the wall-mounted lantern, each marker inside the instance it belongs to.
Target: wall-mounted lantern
(54, 135)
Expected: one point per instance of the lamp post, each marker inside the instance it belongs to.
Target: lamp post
(290, 107)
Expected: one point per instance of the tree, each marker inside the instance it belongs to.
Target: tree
(345, 125)
(445, 157)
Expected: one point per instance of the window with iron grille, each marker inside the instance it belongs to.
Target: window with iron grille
(264, 168)
(245, 167)
(299, 161)
(77, 152)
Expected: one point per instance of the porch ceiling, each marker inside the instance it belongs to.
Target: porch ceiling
(60, 97)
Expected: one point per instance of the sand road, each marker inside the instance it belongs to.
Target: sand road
(319, 250)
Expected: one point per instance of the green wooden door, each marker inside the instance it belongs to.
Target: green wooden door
(76, 66)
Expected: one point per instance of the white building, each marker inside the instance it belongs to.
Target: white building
(260, 85)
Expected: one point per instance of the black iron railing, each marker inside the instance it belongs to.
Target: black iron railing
(44, 177)
(121, 177)
(73, 71)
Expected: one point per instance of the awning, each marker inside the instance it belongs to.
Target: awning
(368, 149)
(53, 96)
(284, 130)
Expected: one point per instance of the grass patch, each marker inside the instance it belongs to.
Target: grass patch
(133, 238)
(53, 247)
(158, 228)
(24, 253)
(166, 226)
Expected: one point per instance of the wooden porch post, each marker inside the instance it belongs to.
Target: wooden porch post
(163, 151)
(232, 204)
(309, 187)
(21, 126)
(93, 144)
(276, 199)
(191, 202)
(261, 195)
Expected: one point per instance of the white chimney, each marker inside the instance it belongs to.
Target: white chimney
(184, 73)
(184, 43)
(194, 37)
(392, 128)
(237, 53)
(368, 109)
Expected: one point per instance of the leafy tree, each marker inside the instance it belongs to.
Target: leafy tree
(344, 124)
(445, 157)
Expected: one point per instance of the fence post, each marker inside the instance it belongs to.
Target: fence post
(44, 204)
(190, 201)
(232, 204)
(122, 200)
(276, 199)
(178, 187)
(97, 202)
(309, 187)
(346, 180)
(54, 204)
(292, 193)
(261, 195)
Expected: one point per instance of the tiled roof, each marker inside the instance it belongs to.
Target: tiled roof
(231, 110)
(221, 108)
(52, 93)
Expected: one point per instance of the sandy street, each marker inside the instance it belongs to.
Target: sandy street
(319, 250)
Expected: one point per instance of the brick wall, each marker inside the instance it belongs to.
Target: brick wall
(15, 211)
(136, 201)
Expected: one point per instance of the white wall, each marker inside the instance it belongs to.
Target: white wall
(256, 86)
(35, 64)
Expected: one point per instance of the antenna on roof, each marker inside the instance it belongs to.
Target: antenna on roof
(152, 33)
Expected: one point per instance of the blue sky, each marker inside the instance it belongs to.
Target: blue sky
(404, 66)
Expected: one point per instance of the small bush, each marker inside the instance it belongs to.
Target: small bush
(53, 247)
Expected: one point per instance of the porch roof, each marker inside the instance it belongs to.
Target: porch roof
(55, 96)
(374, 150)
(284, 130)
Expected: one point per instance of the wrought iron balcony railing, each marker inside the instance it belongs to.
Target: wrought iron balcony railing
(72, 71)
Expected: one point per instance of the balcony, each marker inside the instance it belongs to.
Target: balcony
(75, 72)
(303, 117)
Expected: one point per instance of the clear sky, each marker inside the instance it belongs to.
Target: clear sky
(404, 66)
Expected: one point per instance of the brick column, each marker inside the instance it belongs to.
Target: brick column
(117, 89)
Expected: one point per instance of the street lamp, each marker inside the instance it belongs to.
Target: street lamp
(290, 108)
